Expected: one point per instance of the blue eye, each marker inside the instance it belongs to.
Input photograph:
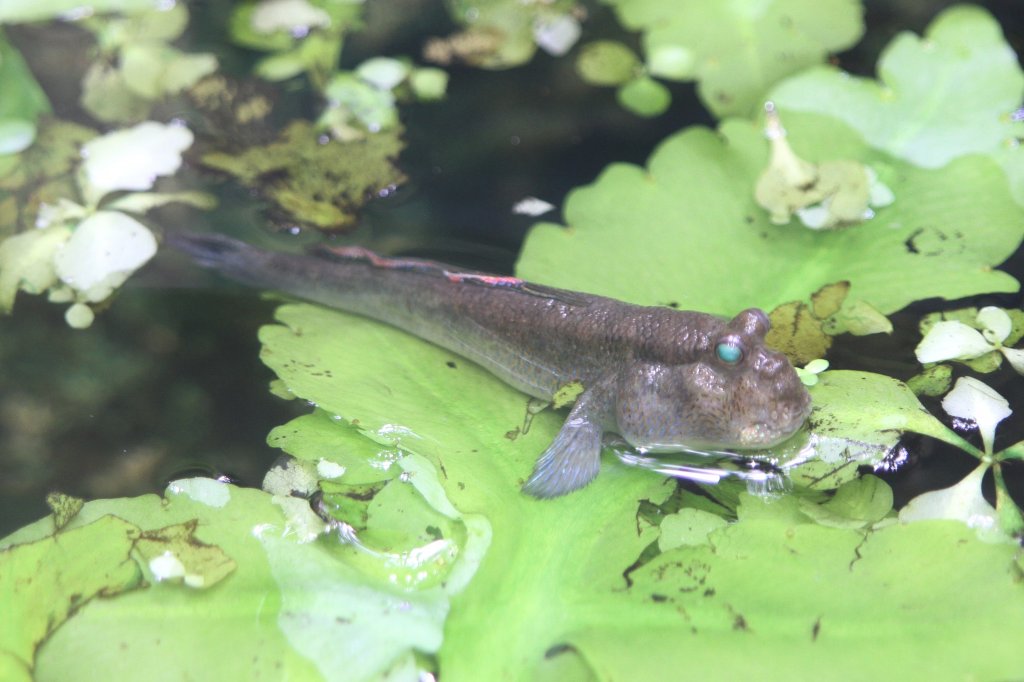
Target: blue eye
(728, 353)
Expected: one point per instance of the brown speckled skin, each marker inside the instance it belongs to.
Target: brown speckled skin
(650, 374)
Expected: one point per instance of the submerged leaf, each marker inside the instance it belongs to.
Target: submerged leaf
(316, 181)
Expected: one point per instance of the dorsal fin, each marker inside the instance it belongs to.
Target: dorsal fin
(450, 273)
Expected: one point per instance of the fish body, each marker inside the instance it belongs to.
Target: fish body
(665, 380)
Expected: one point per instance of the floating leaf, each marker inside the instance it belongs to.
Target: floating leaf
(19, 11)
(606, 62)
(857, 420)
(498, 33)
(23, 101)
(103, 251)
(738, 50)
(286, 608)
(107, 97)
(962, 64)
(26, 262)
(154, 70)
(47, 580)
(322, 183)
(933, 381)
(644, 97)
(961, 502)
(951, 339)
(133, 158)
(694, 198)
(972, 400)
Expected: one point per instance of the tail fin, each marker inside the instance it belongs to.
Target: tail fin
(209, 250)
(234, 259)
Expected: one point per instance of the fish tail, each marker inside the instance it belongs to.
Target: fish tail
(230, 257)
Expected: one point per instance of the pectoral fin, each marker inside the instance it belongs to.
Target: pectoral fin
(574, 458)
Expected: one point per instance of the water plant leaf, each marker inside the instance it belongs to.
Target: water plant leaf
(738, 50)
(962, 502)
(103, 251)
(976, 402)
(19, 11)
(414, 397)
(857, 503)
(798, 596)
(285, 606)
(962, 66)
(695, 197)
(26, 262)
(857, 420)
(46, 580)
(498, 33)
(606, 62)
(64, 508)
(23, 101)
(133, 158)
(55, 153)
(323, 184)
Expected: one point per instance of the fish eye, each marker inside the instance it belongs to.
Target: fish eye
(729, 353)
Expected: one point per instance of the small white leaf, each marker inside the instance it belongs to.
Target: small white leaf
(556, 35)
(995, 324)
(133, 158)
(104, 250)
(973, 400)
(382, 73)
(1015, 356)
(294, 16)
(950, 339)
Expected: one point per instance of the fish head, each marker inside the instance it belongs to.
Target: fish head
(735, 394)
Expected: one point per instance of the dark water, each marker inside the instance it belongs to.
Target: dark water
(168, 381)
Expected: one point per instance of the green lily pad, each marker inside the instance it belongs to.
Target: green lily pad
(23, 101)
(406, 394)
(799, 598)
(498, 33)
(280, 605)
(18, 11)
(738, 50)
(696, 197)
(858, 419)
(963, 64)
(644, 97)
(607, 62)
(46, 580)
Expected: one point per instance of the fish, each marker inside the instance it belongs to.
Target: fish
(665, 380)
